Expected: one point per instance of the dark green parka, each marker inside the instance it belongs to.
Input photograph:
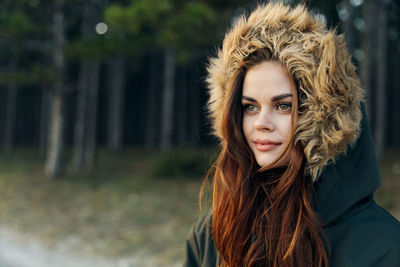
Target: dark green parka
(361, 233)
(331, 127)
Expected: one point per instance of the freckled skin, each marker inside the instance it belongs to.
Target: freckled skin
(265, 118)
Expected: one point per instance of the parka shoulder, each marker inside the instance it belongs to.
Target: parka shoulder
(370, 237)
(200, 250)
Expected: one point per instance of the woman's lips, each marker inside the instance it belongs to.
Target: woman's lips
(265, 145)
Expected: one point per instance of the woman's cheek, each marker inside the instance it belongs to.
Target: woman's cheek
(248, 124)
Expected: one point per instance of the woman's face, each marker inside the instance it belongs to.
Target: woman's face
(267, 98)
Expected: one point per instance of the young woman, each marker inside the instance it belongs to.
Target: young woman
(296, 173)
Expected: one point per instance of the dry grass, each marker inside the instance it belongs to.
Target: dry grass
(388, 195)
(116, 212)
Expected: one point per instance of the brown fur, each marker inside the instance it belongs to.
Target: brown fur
(328, 87)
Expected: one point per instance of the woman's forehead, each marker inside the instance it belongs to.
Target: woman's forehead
(268, 79)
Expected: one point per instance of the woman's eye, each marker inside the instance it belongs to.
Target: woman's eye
(250, 108)
(284, 106)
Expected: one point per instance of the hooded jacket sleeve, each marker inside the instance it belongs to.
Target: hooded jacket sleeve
(200, 250)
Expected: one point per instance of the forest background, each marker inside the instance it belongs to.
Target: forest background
(104, 134)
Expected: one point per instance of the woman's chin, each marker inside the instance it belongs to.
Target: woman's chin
(270, 163)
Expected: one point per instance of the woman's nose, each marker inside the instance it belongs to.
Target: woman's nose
(264, 122)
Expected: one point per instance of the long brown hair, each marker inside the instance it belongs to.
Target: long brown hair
(262, 216)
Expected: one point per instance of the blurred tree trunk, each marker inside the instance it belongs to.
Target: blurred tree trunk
(54, 157)
(152, 104)
(395, 100)
(380, 129)
(348, 27)
(80, 120)
(374, 69)
(195, 105)
(11, 107)
(182, 106)
(116, 103)
(44, 121)
(168, 100)
(368, 44)
(86, 113)
(93, 88)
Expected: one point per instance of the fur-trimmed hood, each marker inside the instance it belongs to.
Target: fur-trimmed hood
(329, 90)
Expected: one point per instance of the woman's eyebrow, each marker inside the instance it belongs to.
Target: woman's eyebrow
(248, 98)
(274, 99)
(279, 97)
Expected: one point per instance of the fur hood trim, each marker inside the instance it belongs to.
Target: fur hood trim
(328, 88)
